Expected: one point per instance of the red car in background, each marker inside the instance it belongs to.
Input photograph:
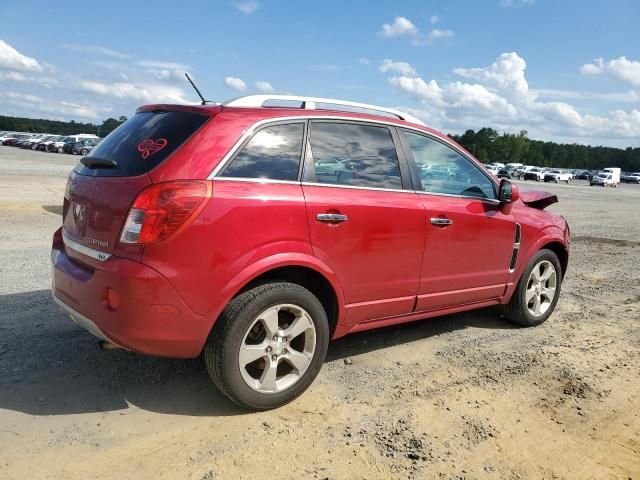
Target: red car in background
(255, 231)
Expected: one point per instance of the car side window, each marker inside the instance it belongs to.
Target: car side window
(356, 155)
(273, 153)
(443, 170)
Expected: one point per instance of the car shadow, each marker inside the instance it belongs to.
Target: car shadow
(50, 366)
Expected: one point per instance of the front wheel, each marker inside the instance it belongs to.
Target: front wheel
(537, 292)
(268, 345)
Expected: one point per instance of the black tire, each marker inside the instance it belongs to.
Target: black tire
(84, 152)
(222, 347)
(516, 310)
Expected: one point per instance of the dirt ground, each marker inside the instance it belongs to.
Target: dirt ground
(460, 397)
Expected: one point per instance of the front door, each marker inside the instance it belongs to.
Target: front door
(470, 238)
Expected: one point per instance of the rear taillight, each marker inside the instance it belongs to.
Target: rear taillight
(162, 210)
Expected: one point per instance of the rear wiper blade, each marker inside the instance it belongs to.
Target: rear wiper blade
(96, 162)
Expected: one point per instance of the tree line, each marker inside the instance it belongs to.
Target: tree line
(57, 127)
(488, 146)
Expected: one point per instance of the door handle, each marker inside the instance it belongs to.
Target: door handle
(331, 217)
(441, 222)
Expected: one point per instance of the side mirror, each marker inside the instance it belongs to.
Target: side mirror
(508, 192)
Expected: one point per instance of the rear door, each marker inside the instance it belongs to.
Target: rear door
(470, 239)
(365, 221)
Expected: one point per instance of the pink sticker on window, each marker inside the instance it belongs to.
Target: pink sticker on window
(150, 146)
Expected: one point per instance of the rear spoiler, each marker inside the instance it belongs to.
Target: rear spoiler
(538, 199)
(202, 109)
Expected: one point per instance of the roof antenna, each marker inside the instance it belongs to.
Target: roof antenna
(204, 102)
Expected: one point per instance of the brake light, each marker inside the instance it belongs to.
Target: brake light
(162, 210)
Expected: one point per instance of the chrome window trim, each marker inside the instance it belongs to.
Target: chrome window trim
(354, 187)
(257, 180)
(260, 123)
(489, 200)
(252, 128)
(89, 252)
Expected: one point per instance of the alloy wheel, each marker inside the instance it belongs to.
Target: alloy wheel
(541, 288)
(277, 348)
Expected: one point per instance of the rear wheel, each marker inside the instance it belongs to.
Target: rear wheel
(537, 292)
(84, 152)
(268, 345)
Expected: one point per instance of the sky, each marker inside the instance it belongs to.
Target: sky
(564, 70)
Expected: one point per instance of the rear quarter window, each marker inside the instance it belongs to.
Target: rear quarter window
(143, 142)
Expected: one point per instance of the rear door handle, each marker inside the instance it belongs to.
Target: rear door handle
(331, 217)
(441, 222)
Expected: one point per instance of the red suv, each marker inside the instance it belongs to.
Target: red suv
(255, 231)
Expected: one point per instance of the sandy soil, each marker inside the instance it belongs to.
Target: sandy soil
(460, 397)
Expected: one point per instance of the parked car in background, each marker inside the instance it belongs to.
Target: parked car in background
(11, 140)
(534, 173)
(73, 140)
(375, 241)
(558, 176)
(44, 143)
(603, 179)
(57, 145)
(584, 175)
(615, 174)
(505, 173)
(83, 147)
(493, 168)
(31, 142)
(631, 178)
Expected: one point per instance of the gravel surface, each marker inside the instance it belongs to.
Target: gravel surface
(460, 397)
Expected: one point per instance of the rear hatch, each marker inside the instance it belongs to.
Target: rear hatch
(102, 187)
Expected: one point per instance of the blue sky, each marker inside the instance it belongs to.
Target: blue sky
(566, 71)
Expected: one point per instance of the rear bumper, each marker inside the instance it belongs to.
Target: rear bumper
(148, 316)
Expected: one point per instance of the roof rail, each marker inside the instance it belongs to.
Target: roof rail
(309, 103)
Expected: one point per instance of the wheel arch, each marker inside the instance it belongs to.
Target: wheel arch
(553, 239)
(301, 269)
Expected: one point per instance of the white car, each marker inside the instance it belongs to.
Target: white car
(558, 176)
(534, 173)
(603, 179)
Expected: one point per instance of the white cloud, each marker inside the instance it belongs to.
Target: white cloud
(96, 49)
(506, 74)
(162, 65)
(440, 33)
(37, 105)
(327, 67)
(516, 3)
(25, 97)
(501, 98)
(248, 7)
(630, 96)
(434, 19)
(620, 68)
(263, 86)
(364, 61)
(401, 26)
(11, 59)
(235, 83)
(139, 93)
(402, 68)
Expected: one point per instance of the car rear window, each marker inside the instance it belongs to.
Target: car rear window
(143, 142)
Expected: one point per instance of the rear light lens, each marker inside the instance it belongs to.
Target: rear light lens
(162, 210)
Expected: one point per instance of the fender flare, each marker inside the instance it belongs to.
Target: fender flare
(276, 261)
(550, 234)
